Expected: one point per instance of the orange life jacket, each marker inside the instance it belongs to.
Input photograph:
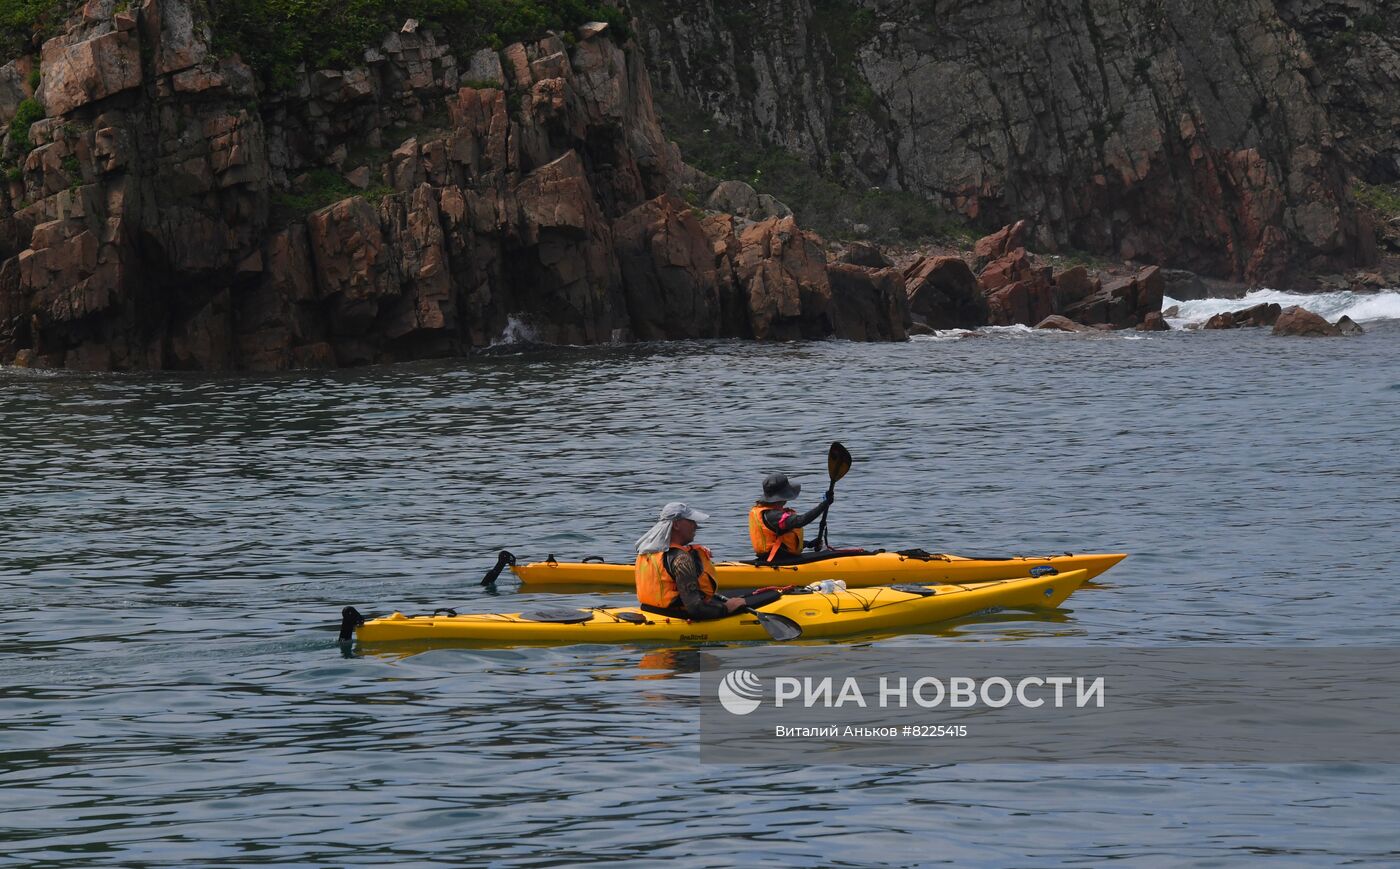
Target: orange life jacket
(763, 538)
(657, 587)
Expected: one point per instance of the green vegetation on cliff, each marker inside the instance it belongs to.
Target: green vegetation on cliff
(21, 19)
(26, 114)
(820, 204)
(276, 36)
(1383, 199)
(320, 187)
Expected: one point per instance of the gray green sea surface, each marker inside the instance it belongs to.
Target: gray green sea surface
(175, 550)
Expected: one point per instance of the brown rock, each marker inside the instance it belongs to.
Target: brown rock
(554, 66)
(734, 300)
(347, 246)
(567, 261)
(867, 254)
(943, 293)
(97, 10)
(591, 29)
(1259, 315)
(482, 130)
(1151, 289)
(424, 307)
(783, 271)
(1017, 290)
(94, 69)
(180, 41)
(669, 273)
(1075, 284)
(999, 243)
(1123, 302)
(1295, 320)
(1154, 322)
(1372, 281)
(279, 312)
(1024, 302)
(870, 304)
(1005, 270)
(517, 66)
(1063, 324)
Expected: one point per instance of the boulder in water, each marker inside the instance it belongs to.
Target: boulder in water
(1300, 321)
(1259, 315)
(1153, 322)
(1064, 324)
(1350, 326)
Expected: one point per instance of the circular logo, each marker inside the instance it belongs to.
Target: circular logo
(740, 692)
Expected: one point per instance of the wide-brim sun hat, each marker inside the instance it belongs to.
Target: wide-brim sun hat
(777, 487)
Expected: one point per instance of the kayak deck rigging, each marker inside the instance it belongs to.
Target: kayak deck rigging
(819, 615)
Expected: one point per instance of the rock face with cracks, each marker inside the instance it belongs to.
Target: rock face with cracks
(170, 213)
(1210, 135)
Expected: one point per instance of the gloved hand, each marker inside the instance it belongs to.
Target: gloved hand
(828, 498)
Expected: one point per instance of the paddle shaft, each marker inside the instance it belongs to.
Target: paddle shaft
(821, 529)
(838, 462)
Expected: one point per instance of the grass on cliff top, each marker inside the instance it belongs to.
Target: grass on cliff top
(819, 203)
(21, 19)
(276, 36)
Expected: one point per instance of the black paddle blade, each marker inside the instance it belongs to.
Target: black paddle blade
(505, 558)
(838, 461)
(350, 619)
(780, 628)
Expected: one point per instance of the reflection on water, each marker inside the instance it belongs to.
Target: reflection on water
(177, 551)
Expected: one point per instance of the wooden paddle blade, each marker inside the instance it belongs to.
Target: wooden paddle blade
(838, 461)
(780, 628)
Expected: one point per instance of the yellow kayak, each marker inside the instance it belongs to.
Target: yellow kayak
(839, 614)
(862, 570)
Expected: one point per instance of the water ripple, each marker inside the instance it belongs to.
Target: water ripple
(177, 549)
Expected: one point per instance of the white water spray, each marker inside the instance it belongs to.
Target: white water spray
(1361, 307)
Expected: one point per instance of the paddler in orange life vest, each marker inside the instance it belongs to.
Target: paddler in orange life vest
(776, 529)
(676, 577)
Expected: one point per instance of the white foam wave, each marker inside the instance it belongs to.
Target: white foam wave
(1332, 307)
(517, 331)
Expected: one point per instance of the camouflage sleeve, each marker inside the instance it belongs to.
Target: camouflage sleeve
(685, 569)
(781, 522)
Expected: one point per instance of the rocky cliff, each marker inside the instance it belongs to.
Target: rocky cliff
(1214, 135)
(171, 212)
(166, 206)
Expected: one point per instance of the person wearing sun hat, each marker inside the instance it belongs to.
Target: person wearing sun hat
(775, 530)
(676, 576)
